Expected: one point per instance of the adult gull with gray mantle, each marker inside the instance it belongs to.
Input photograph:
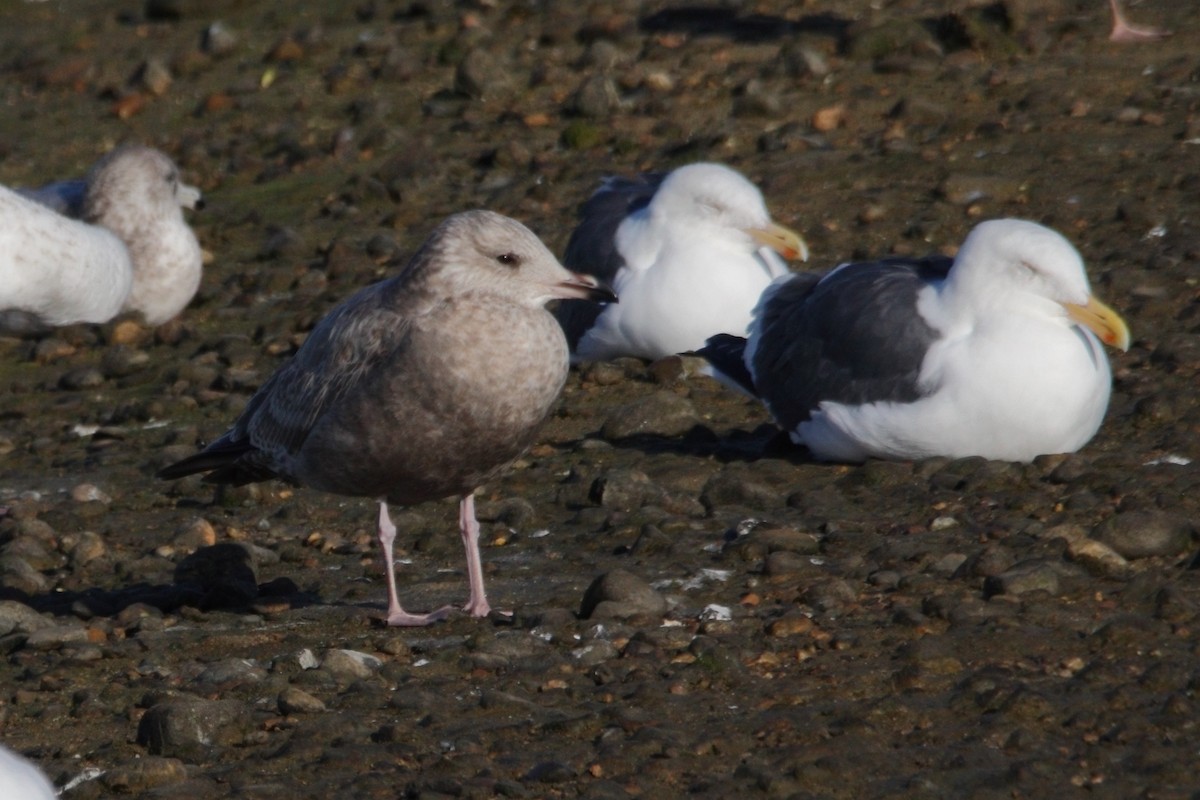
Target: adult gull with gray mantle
(994, 353)
(83, 251)
(422, 386)
(688, 253)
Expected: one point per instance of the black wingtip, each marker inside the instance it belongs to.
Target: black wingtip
(726, 353)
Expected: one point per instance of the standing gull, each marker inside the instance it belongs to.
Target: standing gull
(993, 353)
(424, 385)
(83, 251)
(688, 253)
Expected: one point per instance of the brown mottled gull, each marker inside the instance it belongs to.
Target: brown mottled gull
(422, 386)
(82, 251)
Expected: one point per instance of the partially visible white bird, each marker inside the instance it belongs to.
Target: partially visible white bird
(20, 778)
(688, 253)
(83, 251)
(421, 386)
(993, 354)
(1123, 31)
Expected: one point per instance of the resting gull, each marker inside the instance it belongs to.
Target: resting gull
(993, 353)
(20, 778)
(688, 253)
(83, 251)
(422, 386)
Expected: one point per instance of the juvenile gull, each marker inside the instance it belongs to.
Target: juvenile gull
(688, 253)
(82, 251)
(424, 385)
(993, 353)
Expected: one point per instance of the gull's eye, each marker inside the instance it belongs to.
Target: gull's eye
(509, 260)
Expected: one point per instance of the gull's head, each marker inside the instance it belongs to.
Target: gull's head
(136, 182)
(1006, 256)
(721, 200)
(490, 254)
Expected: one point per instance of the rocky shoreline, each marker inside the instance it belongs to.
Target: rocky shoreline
(699, 609)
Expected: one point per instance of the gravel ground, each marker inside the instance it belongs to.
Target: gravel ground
(699, 609)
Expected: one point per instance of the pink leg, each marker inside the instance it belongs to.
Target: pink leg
(1122, 31)
(395, 614)
(477, 605)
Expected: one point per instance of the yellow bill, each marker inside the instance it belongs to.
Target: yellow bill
(1102, 321)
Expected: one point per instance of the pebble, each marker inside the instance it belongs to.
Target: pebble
(218, 39)
(624, 489)
(348, 665)
(141, 775)
(1035, 575)
(297, 701)
(229, 671)
(1144, 534)
(16, 616)
(1098, 558)
(55, 637)
(596, 97)
(479, 75)
(661, 413)
(965, 189)
(186, 727)
(620, 594)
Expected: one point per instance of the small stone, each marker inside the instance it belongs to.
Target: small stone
(783, 562)
(16, 616)
(286, 49)
(623, 489)
(1098, 558)
(620, 595)
(829, 118)
(231, 671)
(663, 413)
(88, 547)
(1023, 578)
(1143, 534)
(154, 76)
(757, 99)
(89, 492)
(596, 98)
(81, 378)
(965, 190)
(56, 636)
(479, 75)
(17, 574)
(186, 727)
(120, 361)
(194, 535)
(297, 701)
(218, 40)
(140, 775)
(791, 625)
(127, 332)
(349, 665)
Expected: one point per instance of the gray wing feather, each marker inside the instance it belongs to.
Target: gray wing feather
(64, 197)
(853, 337)
(338, 354)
